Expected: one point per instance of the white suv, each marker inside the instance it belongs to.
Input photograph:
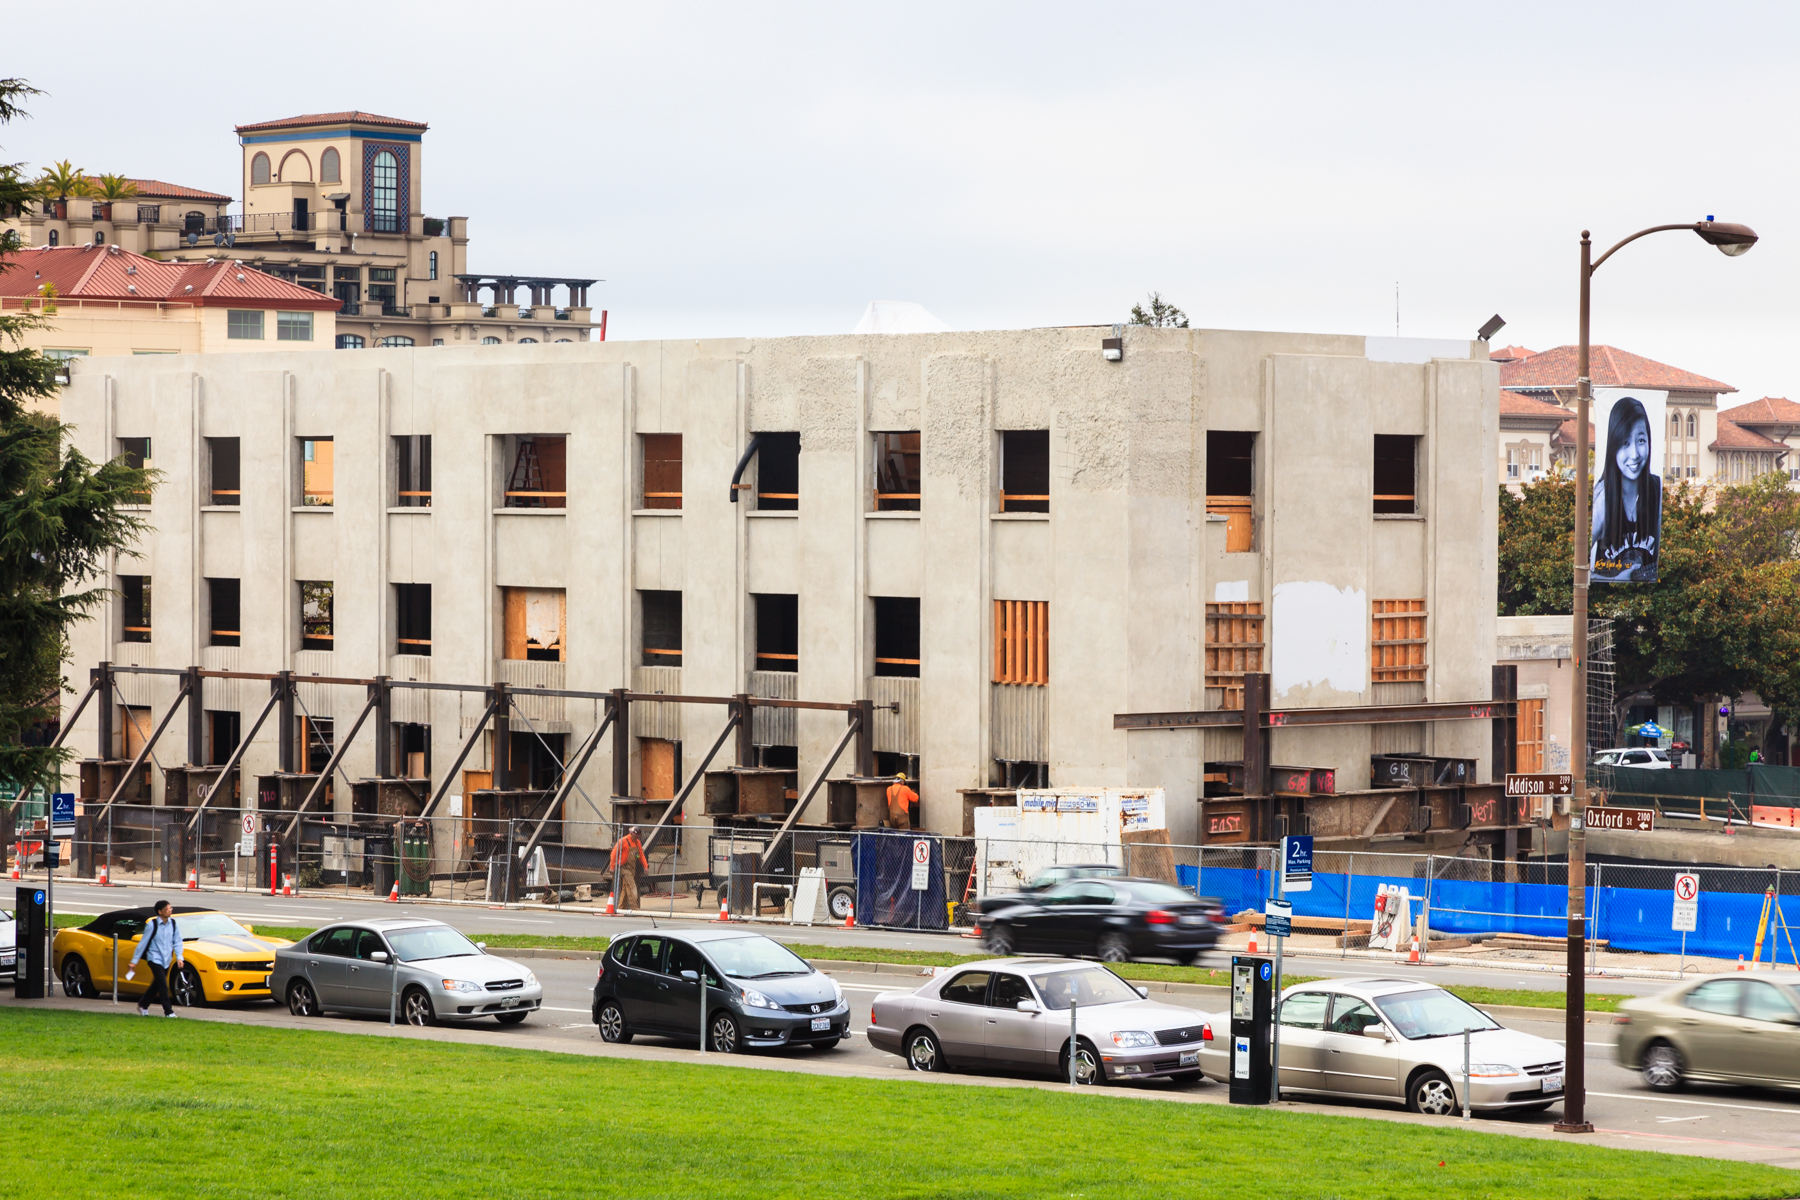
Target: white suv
(1643, 757)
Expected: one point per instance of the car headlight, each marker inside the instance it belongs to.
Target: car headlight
(460, 985)
(837, 991)
(1492, 1070)
(530, 979)
(1133, 1037)
(757, 1000)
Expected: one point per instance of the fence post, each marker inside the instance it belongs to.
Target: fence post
(1349, 879)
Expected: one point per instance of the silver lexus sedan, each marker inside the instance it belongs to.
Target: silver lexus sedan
(1014, 1013)
(426, 970)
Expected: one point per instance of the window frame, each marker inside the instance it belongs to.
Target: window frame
(384, 192)
(293, 326)
(660, 486)
(1021, 446)
(406, 610)
(240, 321)
(887, 445)
(323, 628)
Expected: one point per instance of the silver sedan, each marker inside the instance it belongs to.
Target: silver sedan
(422, 970)
(1015, 1013)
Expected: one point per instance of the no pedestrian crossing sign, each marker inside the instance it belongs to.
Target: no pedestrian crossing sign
(1686, 917)
(247, 844)
(921, 864)
(1297, 863)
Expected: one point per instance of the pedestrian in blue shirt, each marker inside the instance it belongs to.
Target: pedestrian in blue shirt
(160, 950)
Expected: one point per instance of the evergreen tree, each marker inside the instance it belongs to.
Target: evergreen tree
(1160, 315)
(61, 517)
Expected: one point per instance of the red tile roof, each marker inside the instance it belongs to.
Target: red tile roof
(1565, 434)
(1733, 436)
(1515, 404)
(1607, 367)
(1510, 353)
(1770, 410)
(156, 189)
(352, 117)
(101, 273)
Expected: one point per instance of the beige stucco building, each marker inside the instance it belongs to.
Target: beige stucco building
(1009, 535)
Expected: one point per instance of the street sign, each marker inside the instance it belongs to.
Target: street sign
(1279, 917)
(1540, 785)
(921, 864)
(62, 814)
(1637, 820)
(1297, 863)
(247, 843)
(1686, 918)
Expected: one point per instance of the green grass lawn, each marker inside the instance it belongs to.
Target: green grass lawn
(188, 1108)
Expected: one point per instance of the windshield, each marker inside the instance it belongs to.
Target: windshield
(205, 925)
(1161, 893)
(1087, 986)
(755, 958)
(1432, 1013)
(433, 941)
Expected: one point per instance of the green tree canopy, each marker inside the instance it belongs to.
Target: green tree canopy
(1160, 315)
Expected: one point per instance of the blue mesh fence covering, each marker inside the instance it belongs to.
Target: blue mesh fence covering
(884, 882)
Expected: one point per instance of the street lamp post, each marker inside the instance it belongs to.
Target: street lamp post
(1732, 240)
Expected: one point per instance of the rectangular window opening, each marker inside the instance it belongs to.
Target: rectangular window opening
(897, 636)
(224, 625)
(244, 324)
(1025, 471)
(662, 469)
(134, 608)
(1022, 641)
(412, 618)
(1397, 642)
(898, 484)
(316, 470)
(412, 470)
(225, 466)
(539, 474)
(1234, 648)
(535, 622)
(315, 614)
(413, 744)
(316, 734)
(1230, 485)
(294, 326)
(222, 735)
(778, 472)
(777, 632)
(1396, 474)
(661, 624)
(1530, 736)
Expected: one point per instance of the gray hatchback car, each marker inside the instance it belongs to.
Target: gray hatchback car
(427, 971)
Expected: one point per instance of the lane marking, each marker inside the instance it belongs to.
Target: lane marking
(1786, 1112)
(1674, 1120)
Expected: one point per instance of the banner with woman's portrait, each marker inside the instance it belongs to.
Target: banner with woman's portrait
(1626, 540)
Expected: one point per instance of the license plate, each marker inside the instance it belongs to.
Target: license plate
(1190, 1058)
(820, 1024)
(510, 1002)
(1192, 920)
(1553, 1083)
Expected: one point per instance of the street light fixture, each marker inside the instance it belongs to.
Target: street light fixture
(1732, 240)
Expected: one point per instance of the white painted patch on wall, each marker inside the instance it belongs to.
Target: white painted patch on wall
(1235, 591)
(1413, 350)
(1321, 636)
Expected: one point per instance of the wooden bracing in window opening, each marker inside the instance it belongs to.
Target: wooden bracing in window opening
(1234, 647)
(1397, 646)
(1530, 736)
(1022, 641)
(1239, 525)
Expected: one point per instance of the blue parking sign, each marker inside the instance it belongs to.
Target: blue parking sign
(62, 814)
(1297, 863)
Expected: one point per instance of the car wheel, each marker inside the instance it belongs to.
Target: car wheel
(997, 940)
(1112, 948)
(923, 1052)
(725, 1034)
(1188, 960)
(841, 902)
(511, 1018)
(1087, 1064)
(829, 1045)
(1662, 1067)
(416, 1008)
(301, 1001)
(612, 1023)
(1430, 1093)
(189, 991)
(75, 978)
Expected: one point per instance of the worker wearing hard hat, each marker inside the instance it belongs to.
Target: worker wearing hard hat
(900, 800)
(624, 869)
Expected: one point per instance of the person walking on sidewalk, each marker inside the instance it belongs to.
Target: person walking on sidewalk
(160, 950)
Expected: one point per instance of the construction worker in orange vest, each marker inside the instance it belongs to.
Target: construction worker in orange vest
(624, 870)
(900, 800)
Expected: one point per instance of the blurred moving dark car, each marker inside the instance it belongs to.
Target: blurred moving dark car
(1046, 879)
(1116, 919)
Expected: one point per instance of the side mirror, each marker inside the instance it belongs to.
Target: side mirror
(1141, 990)
(691, 976)
(1377, 1032)
(1029, 1006)
(481, 946)
(380, 956)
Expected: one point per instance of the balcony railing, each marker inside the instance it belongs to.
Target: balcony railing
(396, 310)
(350, 308)
(562, 314)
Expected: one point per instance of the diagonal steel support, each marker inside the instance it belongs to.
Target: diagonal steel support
(571, 772)
(855, 729)
(731, 723)
(30, 780)
(185, 694)
(461, 757)
(236, 754)
(337, 756)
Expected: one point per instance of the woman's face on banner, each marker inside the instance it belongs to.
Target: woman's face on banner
(1635, 453)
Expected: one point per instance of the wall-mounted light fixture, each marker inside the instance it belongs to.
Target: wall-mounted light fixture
(1112, 349)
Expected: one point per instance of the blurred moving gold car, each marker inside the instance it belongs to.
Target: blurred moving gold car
(1736, 1028)
(223, 960)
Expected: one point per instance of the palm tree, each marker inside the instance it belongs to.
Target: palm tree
(61, 181)
(109, 189)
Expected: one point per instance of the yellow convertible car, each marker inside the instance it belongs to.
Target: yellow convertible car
(223, 960)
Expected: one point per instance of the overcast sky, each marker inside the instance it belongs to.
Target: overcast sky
(770, 169)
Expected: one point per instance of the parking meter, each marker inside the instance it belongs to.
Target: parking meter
(1252, 1007)
(32, 914)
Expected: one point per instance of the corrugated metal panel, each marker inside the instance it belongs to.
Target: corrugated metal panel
(227, 694)
(1222, 745)
(1402, 738)
(895, 732)
(548, 713)
(775, 726)
(316, 698)
(1018, 732)
(656, 720)
(411, 706)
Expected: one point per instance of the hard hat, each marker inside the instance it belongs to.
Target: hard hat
(901, 776)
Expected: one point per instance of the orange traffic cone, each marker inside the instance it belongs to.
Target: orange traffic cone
(850, 918)
(394, 893)
(105, 879)
(1414, 956)
(193, 884)
(724, 912)
(18, 859)
(1740, 962)
(612, 910)
(1252, 947)
(287, 885)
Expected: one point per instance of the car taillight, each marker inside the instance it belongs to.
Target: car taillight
(1158, 916)
(872, 1018)
(1621, 1018)
(1206, 1033)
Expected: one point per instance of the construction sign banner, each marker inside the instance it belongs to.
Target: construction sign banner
(1629, 445)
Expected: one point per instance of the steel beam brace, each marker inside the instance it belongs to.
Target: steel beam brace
(236, 754)
(1369, 714)
(855, 730)
(571, 772)
(136, 763)
(731, 723)
(461, 756)
(337, 756)
(30, 781)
